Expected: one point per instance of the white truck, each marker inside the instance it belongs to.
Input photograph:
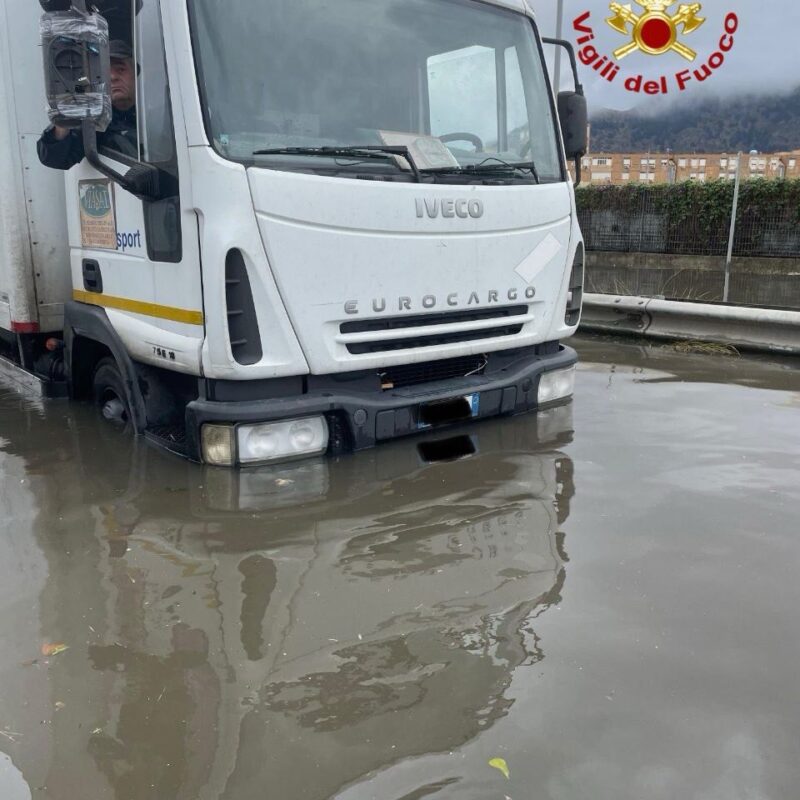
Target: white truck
(347, 222)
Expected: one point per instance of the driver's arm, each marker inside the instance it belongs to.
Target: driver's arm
(60, 148)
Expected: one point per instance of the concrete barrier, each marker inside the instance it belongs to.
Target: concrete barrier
(743, 327)
(773, 282)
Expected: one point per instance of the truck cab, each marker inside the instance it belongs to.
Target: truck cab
(344, 223)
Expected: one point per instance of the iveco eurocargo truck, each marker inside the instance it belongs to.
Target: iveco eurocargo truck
(332, 224)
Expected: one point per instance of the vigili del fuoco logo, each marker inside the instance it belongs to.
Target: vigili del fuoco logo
(654, 32)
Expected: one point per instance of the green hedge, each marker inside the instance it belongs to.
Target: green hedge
(692, 217)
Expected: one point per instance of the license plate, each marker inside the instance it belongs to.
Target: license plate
(448, 412)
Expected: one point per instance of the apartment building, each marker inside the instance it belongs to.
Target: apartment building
(621, 168)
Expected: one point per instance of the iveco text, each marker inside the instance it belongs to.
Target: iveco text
(449, 208)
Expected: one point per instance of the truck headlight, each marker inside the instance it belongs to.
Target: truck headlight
(265, 442)
(556, 385)
(271, 441)
(218, 446)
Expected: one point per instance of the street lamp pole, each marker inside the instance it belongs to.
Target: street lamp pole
(726, 290)
(559, 35)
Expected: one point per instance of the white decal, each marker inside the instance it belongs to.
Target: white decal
(538, 258)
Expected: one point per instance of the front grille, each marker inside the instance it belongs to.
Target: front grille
(171, 437)
(413, 374)
(427, 320)
(505, 316)
(431, 341)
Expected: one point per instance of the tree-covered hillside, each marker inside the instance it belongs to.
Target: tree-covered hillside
(767, 123)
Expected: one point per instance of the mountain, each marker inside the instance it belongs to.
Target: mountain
(766, 123)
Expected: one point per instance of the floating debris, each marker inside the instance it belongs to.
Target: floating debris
(501, 765)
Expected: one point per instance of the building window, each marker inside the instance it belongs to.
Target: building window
(681, 162)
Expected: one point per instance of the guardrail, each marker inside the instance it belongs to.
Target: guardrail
(743, 327)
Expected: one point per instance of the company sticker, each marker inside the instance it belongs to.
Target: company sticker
(654, 29)
(98, 215)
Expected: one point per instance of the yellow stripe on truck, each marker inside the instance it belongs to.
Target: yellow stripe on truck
(138, 307)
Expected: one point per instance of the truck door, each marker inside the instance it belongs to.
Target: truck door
(140, 259)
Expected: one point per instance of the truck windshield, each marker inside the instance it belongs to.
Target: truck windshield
(460, 83)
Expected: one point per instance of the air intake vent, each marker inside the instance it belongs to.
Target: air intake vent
(431, 371)
(242, 322)
(575, 296)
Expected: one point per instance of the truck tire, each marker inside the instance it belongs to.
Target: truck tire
(110, 395)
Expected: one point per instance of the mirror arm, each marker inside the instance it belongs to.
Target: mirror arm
(143, 180)
(567, 45)
(93, 157)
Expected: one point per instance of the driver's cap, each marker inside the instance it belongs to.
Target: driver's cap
(118, 48)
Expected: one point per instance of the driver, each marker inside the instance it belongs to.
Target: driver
(62, 148)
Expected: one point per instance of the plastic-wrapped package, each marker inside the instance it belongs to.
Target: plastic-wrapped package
(75, 49)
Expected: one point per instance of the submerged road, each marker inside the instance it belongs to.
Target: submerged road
(602, 600)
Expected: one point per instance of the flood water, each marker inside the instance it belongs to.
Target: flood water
(604, 596)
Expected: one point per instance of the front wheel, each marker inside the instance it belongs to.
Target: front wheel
(110, 395)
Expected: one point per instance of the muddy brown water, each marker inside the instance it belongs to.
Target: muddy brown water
(604, 596)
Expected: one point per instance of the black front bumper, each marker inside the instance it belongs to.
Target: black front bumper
(360, 416)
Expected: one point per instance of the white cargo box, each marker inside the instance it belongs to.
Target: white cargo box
(35, 276)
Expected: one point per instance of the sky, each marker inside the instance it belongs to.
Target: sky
(765, 54)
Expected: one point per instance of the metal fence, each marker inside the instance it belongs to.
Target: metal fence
(673, 241)
(692, 219)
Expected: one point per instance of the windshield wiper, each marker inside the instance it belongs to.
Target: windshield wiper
(491, 166)
(359, 152)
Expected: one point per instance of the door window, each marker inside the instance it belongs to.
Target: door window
(155, 110)
(156, 133)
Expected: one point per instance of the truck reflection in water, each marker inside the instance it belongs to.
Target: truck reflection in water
(296, 630)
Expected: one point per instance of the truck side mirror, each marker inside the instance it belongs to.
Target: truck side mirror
(573, 112)
(77, 73)
(77, 68)
(574, 116)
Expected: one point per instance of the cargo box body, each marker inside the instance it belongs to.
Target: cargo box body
(34, 248)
